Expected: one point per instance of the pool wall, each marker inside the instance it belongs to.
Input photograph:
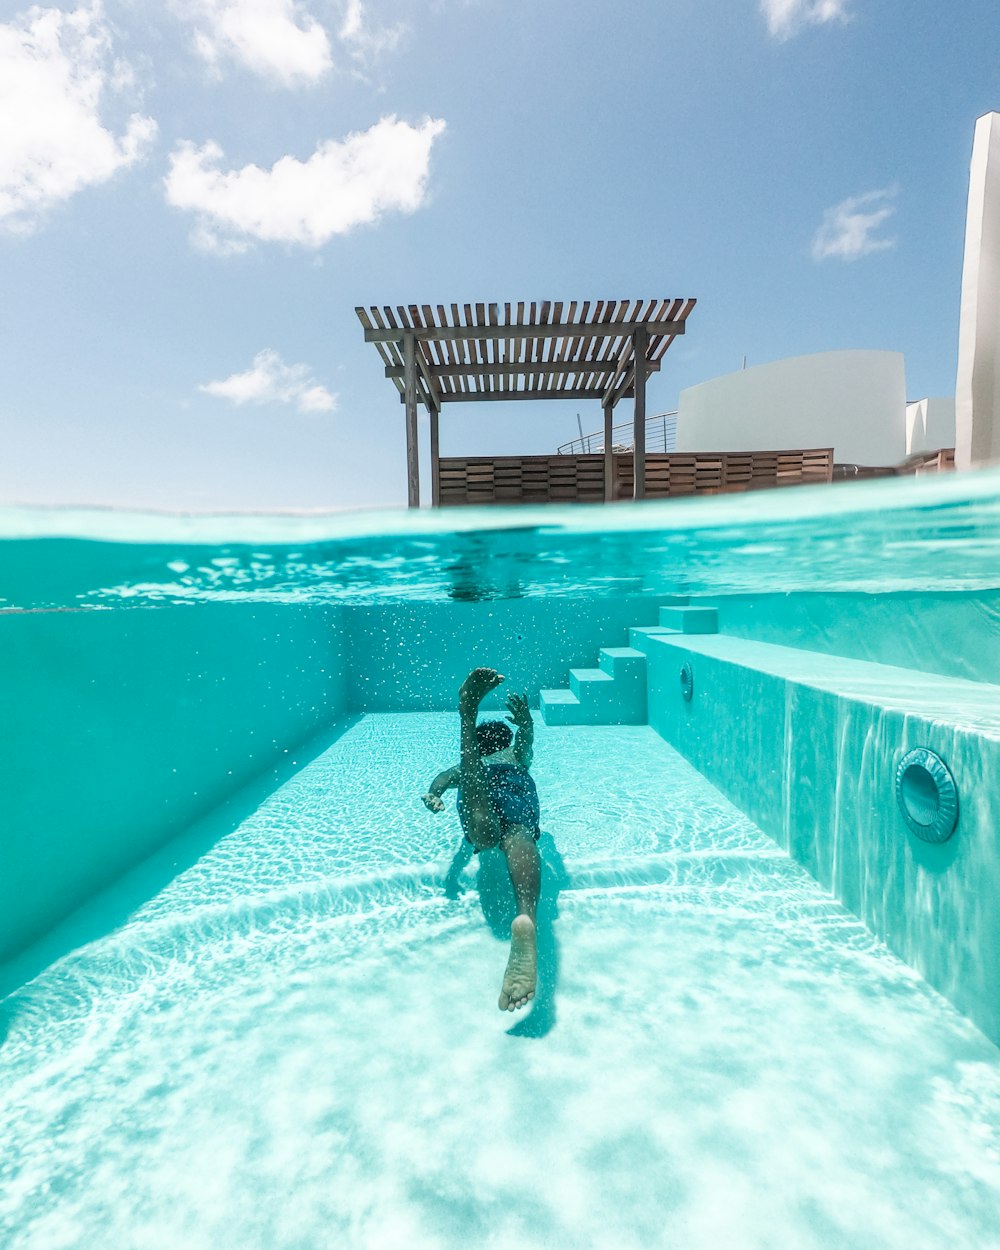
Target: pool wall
(808, 745)
(413, 658)
(936, 632)
(124, 726)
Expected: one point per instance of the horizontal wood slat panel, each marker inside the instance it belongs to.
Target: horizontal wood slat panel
(511, 479)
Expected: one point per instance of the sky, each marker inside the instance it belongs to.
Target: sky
(195, 195)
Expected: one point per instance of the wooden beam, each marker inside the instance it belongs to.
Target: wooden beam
(435, 459)
(528, 368)
(640, 341)
(624, 373)
(602, 329)
(626, 388)
(609, 458)
(480, 396)
(431, 398)
(410, 399)
(471, 397)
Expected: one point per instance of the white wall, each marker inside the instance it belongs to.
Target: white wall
(977, 390)
(852, 401)
(930, 424)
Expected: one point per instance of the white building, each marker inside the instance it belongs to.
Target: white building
(852, 401)
(930, 424)
(978, 384)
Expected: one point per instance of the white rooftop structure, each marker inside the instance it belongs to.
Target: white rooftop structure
(977, 390)
(852, 401)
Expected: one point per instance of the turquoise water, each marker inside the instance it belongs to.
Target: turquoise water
(272, 1024)
(929, 534)
(296, 1043)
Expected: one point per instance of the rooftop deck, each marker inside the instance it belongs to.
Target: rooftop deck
(592, 349)
(602, 350)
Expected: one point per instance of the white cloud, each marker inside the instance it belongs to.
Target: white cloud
(57, 71)
(353, 22)
(277, 39)
(342, 185)
(364, 40)
(271, 381)
(848, 229)
(786, 17)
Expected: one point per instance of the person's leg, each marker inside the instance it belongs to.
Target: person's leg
(479, 816)
(524, 866)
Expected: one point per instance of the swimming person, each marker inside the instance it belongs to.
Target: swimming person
(498, 806)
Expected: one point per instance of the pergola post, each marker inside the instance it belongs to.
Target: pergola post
(640, 340)
(609, 458)
(435, 460)
(410, 399)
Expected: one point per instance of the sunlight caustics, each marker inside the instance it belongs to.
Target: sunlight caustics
(296, 1043)
(273, 1021)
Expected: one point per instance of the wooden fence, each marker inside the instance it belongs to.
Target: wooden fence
(941, 461)
(543, 479)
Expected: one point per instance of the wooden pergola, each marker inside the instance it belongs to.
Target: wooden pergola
(600, 349)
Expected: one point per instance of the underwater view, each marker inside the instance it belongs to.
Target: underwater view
(600, 852)
(251, 978)
(923, 534)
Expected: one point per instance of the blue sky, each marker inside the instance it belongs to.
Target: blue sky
(195, 194)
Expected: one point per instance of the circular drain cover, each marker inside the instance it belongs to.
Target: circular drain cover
(927, 795)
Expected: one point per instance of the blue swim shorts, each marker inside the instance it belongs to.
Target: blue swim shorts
(514, 796)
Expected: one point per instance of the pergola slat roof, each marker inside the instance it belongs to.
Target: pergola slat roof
(536, 350)
(600, 349)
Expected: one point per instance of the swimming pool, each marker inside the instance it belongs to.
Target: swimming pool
(278, 1028)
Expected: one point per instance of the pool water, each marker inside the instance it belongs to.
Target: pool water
(294, 1044)
(930, 534)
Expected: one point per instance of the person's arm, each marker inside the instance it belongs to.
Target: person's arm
(442, 782)
(524, 739)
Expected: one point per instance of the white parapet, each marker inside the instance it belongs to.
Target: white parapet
(930, 424)
(852, 401)
(977, 389)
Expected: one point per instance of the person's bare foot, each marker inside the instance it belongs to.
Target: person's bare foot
(477, 686)
(519, 979)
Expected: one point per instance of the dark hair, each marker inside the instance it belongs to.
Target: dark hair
(493, 735)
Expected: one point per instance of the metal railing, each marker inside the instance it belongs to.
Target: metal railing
(661, 435)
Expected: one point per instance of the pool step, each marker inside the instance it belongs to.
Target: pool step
(639, 635)
(688, 620)
(622, 663)
(560, 707)
(614, 693)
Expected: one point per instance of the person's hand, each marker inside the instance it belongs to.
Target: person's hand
(433, 803)
(520, 714)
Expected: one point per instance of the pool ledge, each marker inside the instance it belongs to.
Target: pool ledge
(808, 744)
(969, 705)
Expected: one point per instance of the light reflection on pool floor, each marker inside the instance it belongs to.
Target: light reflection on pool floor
(296, 1043)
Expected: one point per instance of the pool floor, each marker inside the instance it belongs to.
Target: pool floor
(295, 1045)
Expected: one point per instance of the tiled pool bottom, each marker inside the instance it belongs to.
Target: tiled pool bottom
(295, 1045)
